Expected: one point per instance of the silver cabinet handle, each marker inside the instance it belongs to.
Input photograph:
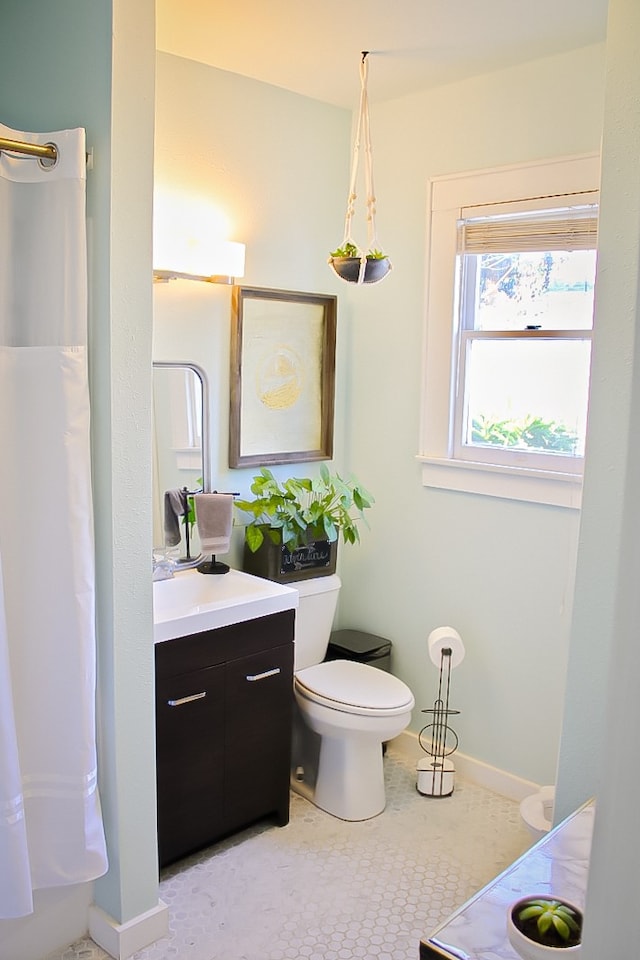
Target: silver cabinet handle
(263, 676)
(194, 696)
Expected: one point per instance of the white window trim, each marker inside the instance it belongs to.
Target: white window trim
(446, 197)
(186, 439)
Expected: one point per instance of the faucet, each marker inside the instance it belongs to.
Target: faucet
(163, 568)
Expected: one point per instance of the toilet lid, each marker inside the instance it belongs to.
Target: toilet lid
(356, 685)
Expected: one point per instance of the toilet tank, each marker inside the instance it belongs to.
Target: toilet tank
(318, 598)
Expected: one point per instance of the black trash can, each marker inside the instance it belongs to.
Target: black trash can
(363, 647)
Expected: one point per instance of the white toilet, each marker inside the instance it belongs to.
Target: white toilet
(345, 711)
(536, 811)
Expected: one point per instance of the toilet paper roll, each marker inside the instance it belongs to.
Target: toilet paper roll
(443, 638)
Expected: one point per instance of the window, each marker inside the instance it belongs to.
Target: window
(509, 324)
(185, 417)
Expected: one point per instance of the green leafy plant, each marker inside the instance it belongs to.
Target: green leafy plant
(350, 250)
(190, 516)
(530, 432)
(549, 922)
(302, 509)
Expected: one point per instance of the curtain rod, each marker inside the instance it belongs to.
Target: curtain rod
(44, 151)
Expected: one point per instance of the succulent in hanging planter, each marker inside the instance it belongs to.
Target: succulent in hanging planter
(348, 261)
(354, 267)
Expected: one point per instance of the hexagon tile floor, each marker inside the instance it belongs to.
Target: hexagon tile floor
(324, 889)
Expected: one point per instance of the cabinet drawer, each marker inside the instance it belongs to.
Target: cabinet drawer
(206, 649)
(259, 683)
(188, 654)
(263, 633)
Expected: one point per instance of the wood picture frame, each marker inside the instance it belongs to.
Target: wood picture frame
(282, 376)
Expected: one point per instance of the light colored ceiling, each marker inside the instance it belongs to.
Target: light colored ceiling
(314, 48)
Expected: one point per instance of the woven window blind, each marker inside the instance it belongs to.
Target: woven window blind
(568, 228)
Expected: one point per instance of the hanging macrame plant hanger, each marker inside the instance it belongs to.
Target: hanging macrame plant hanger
(350, 262)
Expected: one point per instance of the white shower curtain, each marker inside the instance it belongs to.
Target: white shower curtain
(51, 830)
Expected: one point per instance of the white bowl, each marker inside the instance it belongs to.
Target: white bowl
(530, 949)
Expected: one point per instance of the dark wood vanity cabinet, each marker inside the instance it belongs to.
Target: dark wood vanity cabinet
(224, 702)
(190, 759)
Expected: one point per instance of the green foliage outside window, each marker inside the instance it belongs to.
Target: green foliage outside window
(522, 277)
(530, 433)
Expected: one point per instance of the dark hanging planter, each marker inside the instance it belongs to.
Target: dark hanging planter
(348, 268)
(346, 260)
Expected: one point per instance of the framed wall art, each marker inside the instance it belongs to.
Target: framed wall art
(282, 376)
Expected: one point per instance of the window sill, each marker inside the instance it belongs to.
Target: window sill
(510, 483)
(189, 459)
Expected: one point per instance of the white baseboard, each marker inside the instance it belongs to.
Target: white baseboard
(499, 781)
(122, 940)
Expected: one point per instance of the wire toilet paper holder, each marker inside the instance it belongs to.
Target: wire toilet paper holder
(438, 739)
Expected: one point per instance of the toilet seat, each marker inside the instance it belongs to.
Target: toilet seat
(353, 687)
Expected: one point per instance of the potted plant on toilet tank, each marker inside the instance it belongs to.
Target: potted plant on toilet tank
(540, 928)
(295, 524)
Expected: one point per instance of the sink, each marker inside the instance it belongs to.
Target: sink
(191, 602)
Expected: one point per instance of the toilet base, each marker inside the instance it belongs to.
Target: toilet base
(350, 778)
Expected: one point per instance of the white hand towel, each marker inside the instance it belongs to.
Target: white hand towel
(214, 516)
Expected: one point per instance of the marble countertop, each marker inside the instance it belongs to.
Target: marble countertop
(557, 864)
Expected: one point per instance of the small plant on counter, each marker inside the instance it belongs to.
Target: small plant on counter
(303, 509)
(547, 923)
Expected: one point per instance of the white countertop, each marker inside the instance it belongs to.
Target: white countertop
(192, 602)
(557, 864)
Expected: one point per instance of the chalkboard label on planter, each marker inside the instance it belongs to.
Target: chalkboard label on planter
(313, 556)
(275, 562)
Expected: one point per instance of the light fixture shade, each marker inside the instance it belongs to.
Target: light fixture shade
(214, 261)
(228, 259)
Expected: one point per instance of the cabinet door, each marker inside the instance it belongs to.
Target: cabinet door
(190, 722)
(258, 739)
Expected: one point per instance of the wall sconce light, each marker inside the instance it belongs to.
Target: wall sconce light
(226, 257)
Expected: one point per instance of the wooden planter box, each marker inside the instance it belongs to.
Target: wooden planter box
(274, 562)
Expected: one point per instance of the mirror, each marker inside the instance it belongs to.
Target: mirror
(181, 459)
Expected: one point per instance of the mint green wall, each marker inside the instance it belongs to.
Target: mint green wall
(500, 571)
(47, 47)
(277, 166)
(59, 65)
(603, 667)
(602, 704)
(122, 439)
